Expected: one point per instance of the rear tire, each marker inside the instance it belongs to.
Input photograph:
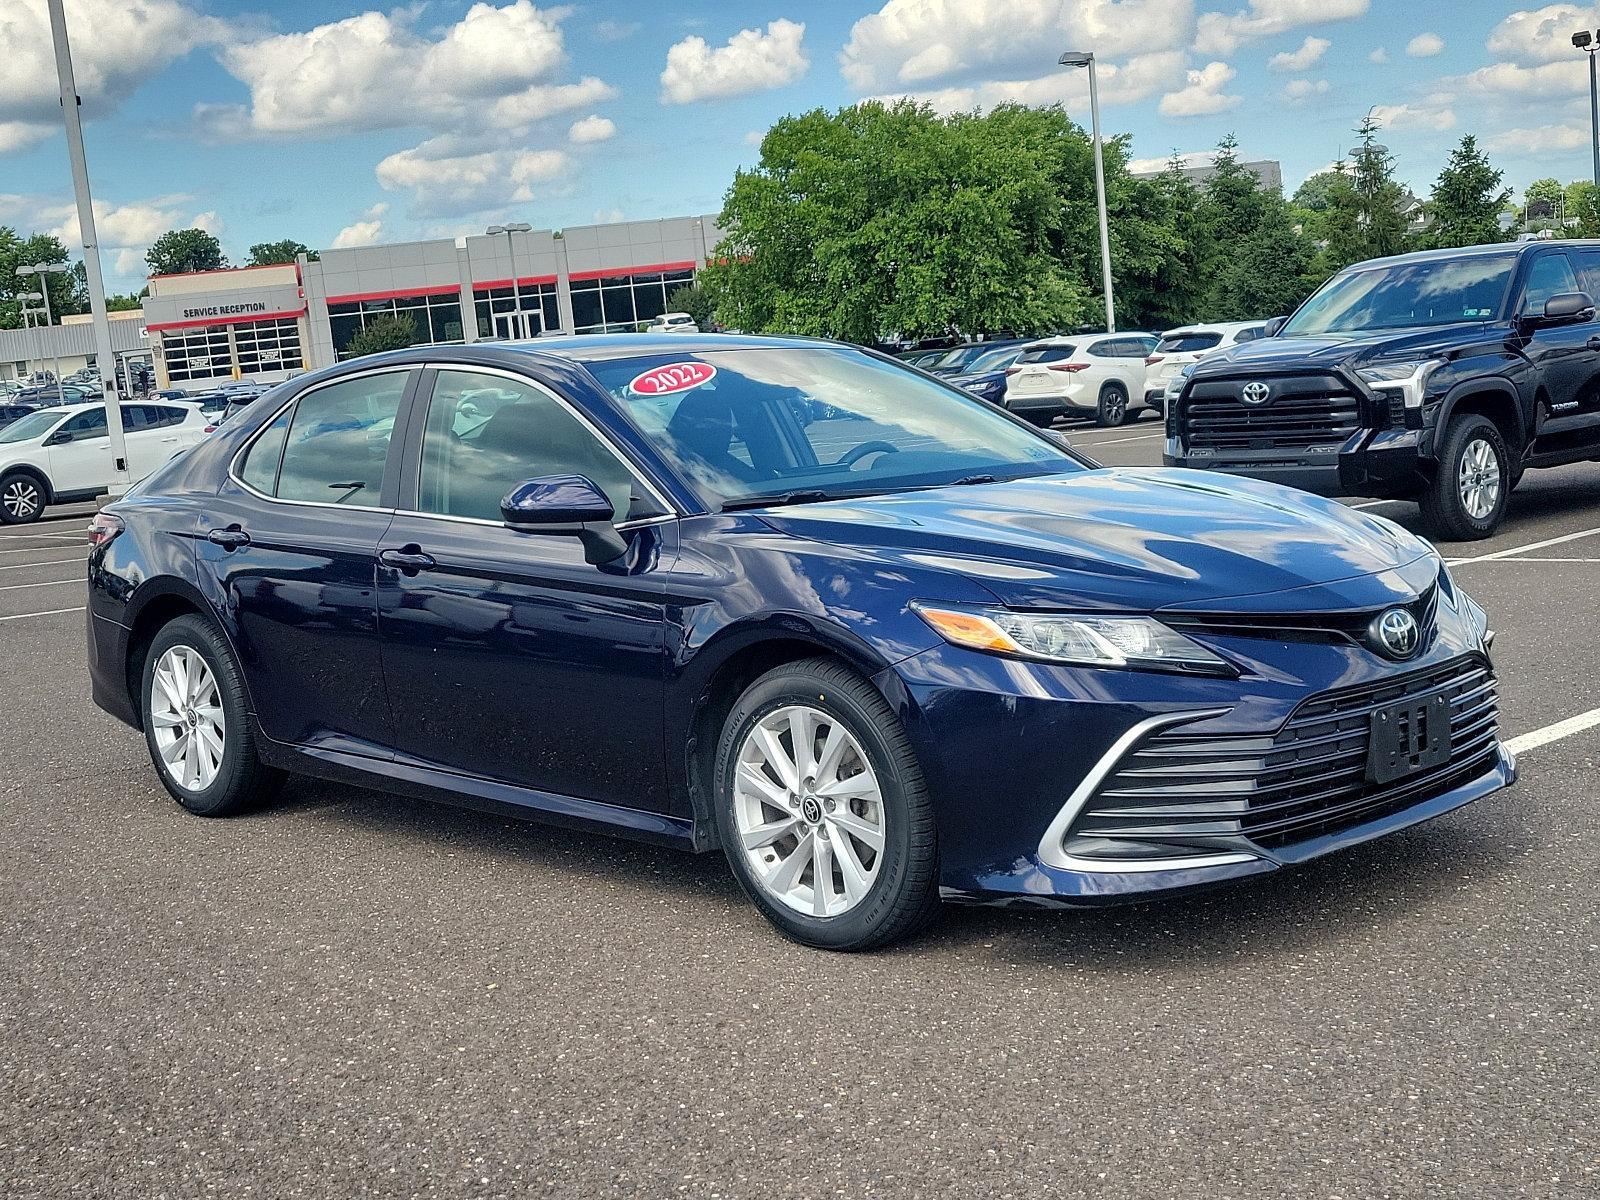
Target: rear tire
(23, 498)
(1113, 407)
(857, 815)
(1467, 497)
(196, 720)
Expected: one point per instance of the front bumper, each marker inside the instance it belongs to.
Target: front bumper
(1388, 463)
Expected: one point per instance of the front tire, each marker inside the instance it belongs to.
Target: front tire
(1113, 407)
(1467, 497)
(822, 810)
(23, 497)
(197, 722)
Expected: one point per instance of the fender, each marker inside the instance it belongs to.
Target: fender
(1496, 384)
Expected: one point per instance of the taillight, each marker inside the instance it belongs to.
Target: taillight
(1153, 359)
(1069, 366)
(209, 429)
(103, 528)
(1013, 370)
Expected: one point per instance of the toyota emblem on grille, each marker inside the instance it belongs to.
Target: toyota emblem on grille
(1397, 633)
(1255, 393)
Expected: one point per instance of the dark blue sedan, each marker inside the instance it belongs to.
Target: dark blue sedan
(876, 640)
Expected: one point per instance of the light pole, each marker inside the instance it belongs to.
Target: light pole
(43, 271)
(1587, 42)
(516, 287)
(1085, 58)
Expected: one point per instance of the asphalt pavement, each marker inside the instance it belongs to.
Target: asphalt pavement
(352, 994)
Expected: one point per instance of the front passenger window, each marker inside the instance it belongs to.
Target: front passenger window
(1550, 275)
(338, 441)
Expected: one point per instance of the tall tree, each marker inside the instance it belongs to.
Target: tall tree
(266, 254)
(1316, 193)
(1543, 200)
(1382, 200)
(1583, 206)
(1260, 261)
(1467, 199)
(16, 251)
(179, 251)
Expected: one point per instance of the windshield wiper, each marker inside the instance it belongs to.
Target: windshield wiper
(773, 501)
(966, 479)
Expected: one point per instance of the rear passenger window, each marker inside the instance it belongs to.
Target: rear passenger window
(260, 468)
(1550, 275)
(338, 441)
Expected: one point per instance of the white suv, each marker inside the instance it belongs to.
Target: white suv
(1097, 374)
(1180, 347)
(58, 455)
(672, 323)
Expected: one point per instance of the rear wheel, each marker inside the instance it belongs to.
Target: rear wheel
(22, 498)
(1467, 497)
(1113, 409)
(822, 810)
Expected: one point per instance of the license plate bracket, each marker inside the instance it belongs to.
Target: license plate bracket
(1409, 737)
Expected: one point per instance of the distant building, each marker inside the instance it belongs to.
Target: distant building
(69, 344)
(1268, 171)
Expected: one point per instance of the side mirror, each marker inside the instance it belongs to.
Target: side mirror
(59, 438)
(570, 505)
(1568, 307)
(1273, 326)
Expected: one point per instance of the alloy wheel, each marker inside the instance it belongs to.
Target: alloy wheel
(809, 811)
(21, 498)
(1478, 481)
(191, 730)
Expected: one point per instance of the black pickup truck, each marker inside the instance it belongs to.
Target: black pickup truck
(1438, 377)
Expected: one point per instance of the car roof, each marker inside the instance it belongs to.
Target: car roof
(1213, 327)
(1489, 248)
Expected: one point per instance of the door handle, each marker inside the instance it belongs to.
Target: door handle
(408, 559)
(1594, 342)
(230, 538)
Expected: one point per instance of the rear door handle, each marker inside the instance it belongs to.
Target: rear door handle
(229, 539)
(408, 559)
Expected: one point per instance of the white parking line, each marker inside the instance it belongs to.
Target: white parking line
(1555, 541)
(70, 537)
(17, 587)
(1544, 560)
(1143, 437)
(1375, 503)
(60, 562)
(33, 550)
(1554, 733)
(49, 612)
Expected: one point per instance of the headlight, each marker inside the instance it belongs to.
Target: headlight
(1142, 643)
(1410, 379)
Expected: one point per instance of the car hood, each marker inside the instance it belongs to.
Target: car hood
(1133, 540)
(1330, 350)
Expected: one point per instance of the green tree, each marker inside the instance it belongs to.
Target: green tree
(1259, 261)
(1467, 199)
(383, 333)
(1543, 199)
(692, 299)
(1341, 238)
(1381, 199)
(66, 295)
(1316, 193)
(266, 254)
(117, 302)
(179, 251)
(1583, 206)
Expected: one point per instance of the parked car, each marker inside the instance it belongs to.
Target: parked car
(43, 394)
(924, 357)
(58, 455)
(10, 411)
(959, 359)
(673, 322)
(1438, 377)
(1098, 375)
(647, 596)
(1180, 347)
(985, 375)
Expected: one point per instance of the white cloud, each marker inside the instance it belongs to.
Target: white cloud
(1220, 33)
(367, 231)
(921, 42)
(1186, 158)
(615, 31)
(1137, 79)
(1541, 139)
(608, 216)
(592, 129)
(1506, 81)
(1427, 114)
(448, 179)
(1425, 45)
(1298, 91)
(1203, 96)
(1380, 55)
(1311, 50)
(755, 137)
(1541, 35)
(125, 231)
(116, 46)
(752, 61)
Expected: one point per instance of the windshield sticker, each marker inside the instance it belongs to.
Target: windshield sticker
(674, 377)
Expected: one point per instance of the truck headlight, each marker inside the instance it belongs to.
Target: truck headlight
(1409, 378)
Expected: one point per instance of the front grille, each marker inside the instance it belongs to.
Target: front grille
(1350, 628)
(1177, 793)
(1303, 411)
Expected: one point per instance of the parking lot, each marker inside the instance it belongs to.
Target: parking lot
(352, 994)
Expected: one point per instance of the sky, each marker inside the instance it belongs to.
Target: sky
(339, 124)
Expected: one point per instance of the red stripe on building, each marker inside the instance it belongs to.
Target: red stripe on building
(236, 319)
(647, 269)
(483, 285)
(452, 289)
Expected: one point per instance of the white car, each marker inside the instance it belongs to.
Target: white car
(1097, 374)
(1180, 347)
(58, 455)
(672, 323)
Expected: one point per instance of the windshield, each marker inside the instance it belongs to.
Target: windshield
(995, 360)
(742, 424)
(1417, 293)
(31, 426)
(958, 358)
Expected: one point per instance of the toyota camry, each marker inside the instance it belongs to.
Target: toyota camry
(876, 640)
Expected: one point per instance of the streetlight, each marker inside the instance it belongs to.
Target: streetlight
(516, 288)
(1588, 43)
(1085, 58)
(42, 270)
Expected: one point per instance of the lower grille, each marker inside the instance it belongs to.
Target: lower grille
(1178, 793)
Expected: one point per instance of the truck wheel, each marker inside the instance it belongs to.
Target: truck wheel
(1467, 497)
(1113, 406)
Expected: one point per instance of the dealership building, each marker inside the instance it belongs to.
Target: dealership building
(267, 323)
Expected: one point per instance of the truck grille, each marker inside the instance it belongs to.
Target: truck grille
(1176, 793)
(1302, 411)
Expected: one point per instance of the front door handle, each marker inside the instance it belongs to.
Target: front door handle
(230, 538)
(408, 559)
(1594, 342)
